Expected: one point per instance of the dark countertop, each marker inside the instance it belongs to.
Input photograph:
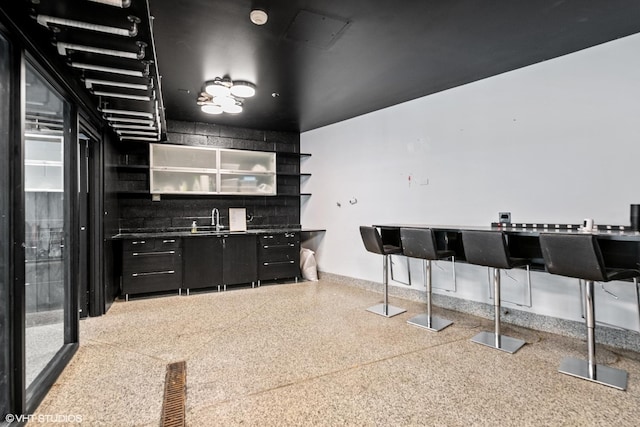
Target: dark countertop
(614, 234)
(149, 234)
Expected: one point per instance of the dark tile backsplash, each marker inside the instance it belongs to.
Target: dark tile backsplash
(137, 211)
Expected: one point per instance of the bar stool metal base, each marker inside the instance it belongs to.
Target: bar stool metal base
(422, 321)
(605, 375)
(506, 344)
(389, 312)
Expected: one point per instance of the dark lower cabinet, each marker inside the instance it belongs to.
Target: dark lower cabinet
(227, 259)
(151, 265)
(239, 259)
(202, 262)
(279, 255)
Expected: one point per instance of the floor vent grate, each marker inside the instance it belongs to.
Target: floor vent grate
(175, 395)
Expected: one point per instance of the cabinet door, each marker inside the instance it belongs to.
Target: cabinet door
(202, 262)
(240, 259)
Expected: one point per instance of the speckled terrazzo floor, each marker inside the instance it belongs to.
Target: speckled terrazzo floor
(309, 354)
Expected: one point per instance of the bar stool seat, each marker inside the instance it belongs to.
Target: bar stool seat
(373, 243)
(579, 256)
(490, 249)
(421, 244)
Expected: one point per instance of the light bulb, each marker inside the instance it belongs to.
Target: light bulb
(215, 89)
(212, 109)
(243, 89)
(232, 109)
(223, 100)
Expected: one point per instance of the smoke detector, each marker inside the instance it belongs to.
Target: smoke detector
(258, 16)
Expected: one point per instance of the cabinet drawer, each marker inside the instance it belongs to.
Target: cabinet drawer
(279, 238)
(266, 246)
(143, 262)
(137, 283)
(279, 253)
(138, 245)
(278, 270)
(168, 243)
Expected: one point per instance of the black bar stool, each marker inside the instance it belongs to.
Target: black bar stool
(373, 243)
(421, 243)
(579, 256)
(489, 249)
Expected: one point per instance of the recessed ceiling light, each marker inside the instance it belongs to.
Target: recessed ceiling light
(258, 16)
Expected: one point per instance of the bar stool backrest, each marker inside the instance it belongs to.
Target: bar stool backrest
(372, 240)
(487, 248)
(419, 243)
(573, 255)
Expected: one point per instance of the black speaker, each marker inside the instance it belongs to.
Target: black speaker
(635, 217)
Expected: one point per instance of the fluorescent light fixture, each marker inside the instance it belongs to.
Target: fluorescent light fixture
(122, 95)
(90, 82)
(46, 20)
(211, 109)
(126, 112)
(92, 67)
(243, 89)
(117, 3)
(64, 47)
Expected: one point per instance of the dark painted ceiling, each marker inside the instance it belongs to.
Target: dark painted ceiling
(390, 51)
(386, 53)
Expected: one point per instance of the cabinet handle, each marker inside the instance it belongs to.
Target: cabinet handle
(153, 273)
(154, 253)
(278, 262)
(141, 242)
(288, 245)
(169, 241)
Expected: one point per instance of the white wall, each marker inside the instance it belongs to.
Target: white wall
(557, 141)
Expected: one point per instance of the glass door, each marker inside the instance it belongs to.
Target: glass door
(46, 126)
(5, 230)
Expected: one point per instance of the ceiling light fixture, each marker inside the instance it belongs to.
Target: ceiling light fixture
(224, 95)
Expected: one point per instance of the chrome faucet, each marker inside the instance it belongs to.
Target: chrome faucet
(215, 218)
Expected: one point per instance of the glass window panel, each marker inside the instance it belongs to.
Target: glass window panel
(45, 255)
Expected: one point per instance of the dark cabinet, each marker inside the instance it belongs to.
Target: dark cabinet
(279, 255)
(202, 262)
(151, 265)
(227, 259)
(239, 259)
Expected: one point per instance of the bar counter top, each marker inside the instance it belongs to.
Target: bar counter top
(603, 232)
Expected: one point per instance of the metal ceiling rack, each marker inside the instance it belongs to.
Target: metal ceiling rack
(109, 46)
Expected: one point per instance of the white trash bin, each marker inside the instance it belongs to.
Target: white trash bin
(308, 265)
